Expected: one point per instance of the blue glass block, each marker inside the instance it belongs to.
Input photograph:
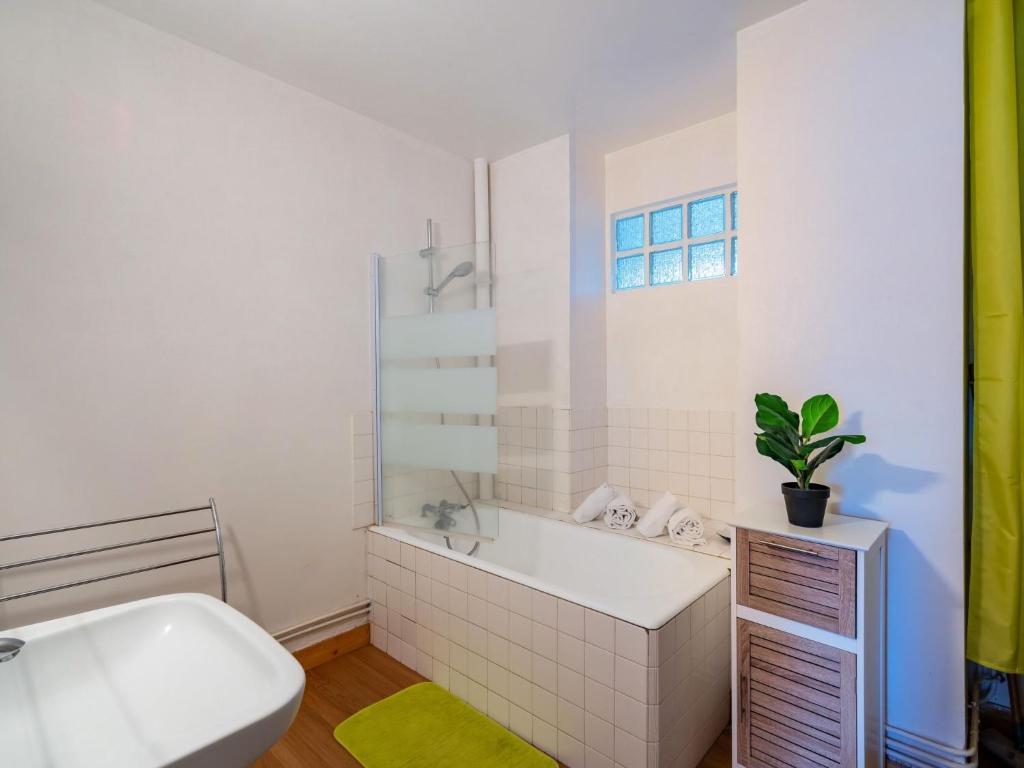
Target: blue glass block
(629, 272)
(735, 255)
(629, 233)
(667, 225)
(734, 203)
(707, 216)
(707, 260)
(667, 266)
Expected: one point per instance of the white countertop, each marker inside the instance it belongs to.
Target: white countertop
(845, 531)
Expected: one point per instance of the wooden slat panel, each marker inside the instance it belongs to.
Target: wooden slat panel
(810, 583)
(796, 677)
(790, 698)
(824, 656)
(795, 548)
(804, 668)
(782, 731)
(800, 594)
(826, 701)
(794, 578)
(789, 756)
(791, 713)
(790, 717)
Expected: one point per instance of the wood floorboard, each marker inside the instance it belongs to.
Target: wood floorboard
(341, 687)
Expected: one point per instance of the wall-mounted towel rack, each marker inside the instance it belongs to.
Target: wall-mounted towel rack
(214, 528)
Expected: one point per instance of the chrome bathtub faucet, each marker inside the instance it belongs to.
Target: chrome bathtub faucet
(445, 512)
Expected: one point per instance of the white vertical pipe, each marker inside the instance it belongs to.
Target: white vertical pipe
(482, 225)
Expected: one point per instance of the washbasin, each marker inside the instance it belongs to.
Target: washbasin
(177, 680)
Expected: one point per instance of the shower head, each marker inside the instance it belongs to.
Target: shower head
(461, 270)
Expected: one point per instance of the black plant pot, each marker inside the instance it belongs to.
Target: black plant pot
(806, 506)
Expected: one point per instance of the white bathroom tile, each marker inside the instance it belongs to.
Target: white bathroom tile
(476, 668)
(362, 469)
(362, 492)
(459, 684)
(408, 605)
(379, 637)
(720, 421)
(408, 581)
(376, 590)
(392, 550)
(599, 665)
(570, 750)
(439, 568)
(599, 734)
(520, 661)
(362, 423)
(595, 759)
(638, 438)
(631, 641)
(478, 583)
(599, 630)
(599, 699)
(570, 685)
(618, 437)
(458, 575)
(362, 515)
(441, 650)
(497, 679)
(424, 664)
(497, 649)
(630, 752)
(458, 658)
(631, 679)
(520, 691)
(520, 722)
(423, 561)
(720, 445)
(497, 590)
(458, 603)
(698, 421)
(520, 630)
(657, 483)
(720, 490)
(476, 696)
(722, 466)
(520, 599)
(679, 442)
(362, 447)
(658, 460)
(638, 418)
(545, 608)
(497, 620)
(545, 704)
(700, 442)
(570, 618)
(545, 673)
(544, 641)
(439, 621)
(545, 736)
(438, 595)
(700, 486)
(570, 718)
(570, 652)
(476, 639)
(477, 611)
(700, 505)
(424, 613)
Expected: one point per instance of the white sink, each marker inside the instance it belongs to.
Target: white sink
(178, 680)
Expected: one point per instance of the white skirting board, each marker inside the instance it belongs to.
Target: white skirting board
(312, 631)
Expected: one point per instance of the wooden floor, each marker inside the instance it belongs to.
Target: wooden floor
(345, 685)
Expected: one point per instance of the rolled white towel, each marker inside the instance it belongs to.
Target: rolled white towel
(656, 518)
(594, 505)
(686, 527)
(620, 513)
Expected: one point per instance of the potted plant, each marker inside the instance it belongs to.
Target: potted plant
(787, 439)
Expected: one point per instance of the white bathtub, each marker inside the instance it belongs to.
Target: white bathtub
(641, 582)
(598, 648)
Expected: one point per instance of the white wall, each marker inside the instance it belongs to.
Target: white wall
(850, 137)
(530, 228)
(672, 346)
(184, 298)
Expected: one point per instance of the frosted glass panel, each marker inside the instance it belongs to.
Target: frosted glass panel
(734, 202)
(629, 233)
(707, 260)
(443, 390)
(629, 272)
(443, 334)
(667, 266)
(735, 256)
(707, 216)
(441, 446)
(667, 225)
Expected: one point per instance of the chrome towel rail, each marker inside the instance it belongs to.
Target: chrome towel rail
(214, 528)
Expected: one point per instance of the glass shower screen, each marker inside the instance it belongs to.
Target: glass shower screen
(437, 391)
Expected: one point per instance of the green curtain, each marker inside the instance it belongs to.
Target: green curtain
(995, 118)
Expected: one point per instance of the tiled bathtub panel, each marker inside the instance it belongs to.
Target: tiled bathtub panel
(587, 688)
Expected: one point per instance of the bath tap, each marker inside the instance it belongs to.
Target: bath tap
(445, 512)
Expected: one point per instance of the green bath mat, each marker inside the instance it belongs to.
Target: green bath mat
(424, 725)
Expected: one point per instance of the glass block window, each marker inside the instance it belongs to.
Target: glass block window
(629, 233)
(707, 260)
(707, 216)
(667, 266)
(629, 272)
(688, 239)
(667, 225)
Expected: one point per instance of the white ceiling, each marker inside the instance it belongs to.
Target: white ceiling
(486, 78)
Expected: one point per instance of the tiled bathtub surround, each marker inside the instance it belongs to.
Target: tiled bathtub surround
(552, 458)
(589, 689)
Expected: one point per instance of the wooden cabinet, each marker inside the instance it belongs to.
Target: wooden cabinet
(808, 642)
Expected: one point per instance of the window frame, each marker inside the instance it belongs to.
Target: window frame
(730, 233)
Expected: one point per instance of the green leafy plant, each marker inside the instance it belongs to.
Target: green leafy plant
(787, 436)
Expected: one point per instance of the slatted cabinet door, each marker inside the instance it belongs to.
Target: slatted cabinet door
(811, 583)
(797, 701)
